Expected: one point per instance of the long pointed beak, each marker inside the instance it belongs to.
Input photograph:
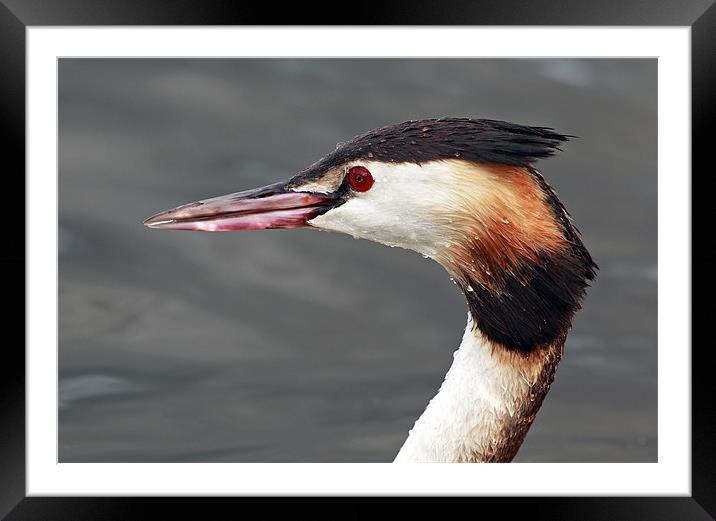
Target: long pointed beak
(271, 206)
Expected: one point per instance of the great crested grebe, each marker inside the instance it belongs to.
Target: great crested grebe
(465, 193)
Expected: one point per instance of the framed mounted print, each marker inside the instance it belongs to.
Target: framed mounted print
(520, 292)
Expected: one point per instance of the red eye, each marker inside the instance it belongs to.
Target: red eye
(360, 179)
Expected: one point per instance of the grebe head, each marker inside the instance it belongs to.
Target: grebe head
(460, 191)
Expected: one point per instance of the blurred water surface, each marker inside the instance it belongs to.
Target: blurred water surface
(294, 345)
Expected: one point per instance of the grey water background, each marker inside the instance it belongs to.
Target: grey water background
(297, 345)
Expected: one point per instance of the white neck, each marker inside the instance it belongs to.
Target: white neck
(485, 405)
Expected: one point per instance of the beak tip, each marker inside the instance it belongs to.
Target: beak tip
(156, 221)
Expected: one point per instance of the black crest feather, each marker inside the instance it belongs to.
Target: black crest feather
(419, 141)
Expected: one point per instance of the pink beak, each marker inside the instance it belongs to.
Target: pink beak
(272, 206)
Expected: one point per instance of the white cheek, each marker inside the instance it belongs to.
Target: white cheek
(399, 210)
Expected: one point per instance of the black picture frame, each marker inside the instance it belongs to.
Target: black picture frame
(17, 15)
